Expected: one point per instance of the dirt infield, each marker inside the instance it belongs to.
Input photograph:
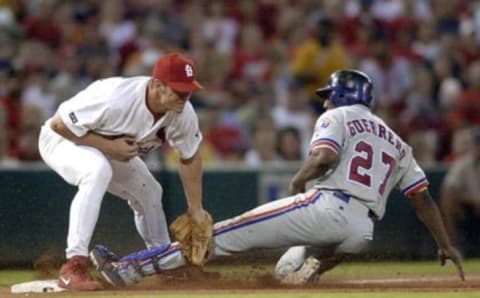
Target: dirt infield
(196, 282)
(194, 279)
(258, 279)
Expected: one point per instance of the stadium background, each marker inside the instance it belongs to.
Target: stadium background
(259, 62)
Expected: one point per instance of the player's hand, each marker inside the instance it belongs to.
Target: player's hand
(452, 254)
(123, 148)
(198, 215)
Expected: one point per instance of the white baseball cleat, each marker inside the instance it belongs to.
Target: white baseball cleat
(304, 274)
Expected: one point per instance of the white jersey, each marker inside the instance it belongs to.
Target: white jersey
(117, 107)
(373, 159)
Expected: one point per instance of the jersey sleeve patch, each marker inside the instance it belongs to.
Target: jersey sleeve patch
(415, 187)
(73, 117)
(324, 123)
(71, 120)
(328, 143)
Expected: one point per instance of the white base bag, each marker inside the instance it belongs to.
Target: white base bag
(37, 286)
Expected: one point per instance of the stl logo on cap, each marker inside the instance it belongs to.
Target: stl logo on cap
(189, 70)
(177, 71)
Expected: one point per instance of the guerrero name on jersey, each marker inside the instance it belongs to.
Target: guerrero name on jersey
(365, 171)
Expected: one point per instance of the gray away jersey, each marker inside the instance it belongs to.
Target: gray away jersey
(372, 158)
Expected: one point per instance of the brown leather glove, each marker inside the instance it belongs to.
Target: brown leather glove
(196, 239)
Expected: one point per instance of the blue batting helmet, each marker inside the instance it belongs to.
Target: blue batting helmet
(348, 87)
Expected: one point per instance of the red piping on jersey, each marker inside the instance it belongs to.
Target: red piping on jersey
(325, 145)
(325, 142)
(240, 220)
(422, 185)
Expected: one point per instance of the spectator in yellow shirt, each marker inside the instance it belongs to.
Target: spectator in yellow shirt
(317, 57)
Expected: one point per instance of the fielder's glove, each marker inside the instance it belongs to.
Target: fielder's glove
(196, 239)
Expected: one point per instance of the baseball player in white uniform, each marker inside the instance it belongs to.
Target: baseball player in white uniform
(357, 160)
(95, 142)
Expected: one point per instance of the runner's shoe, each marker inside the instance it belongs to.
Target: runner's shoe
(306, 273)
(121, 274)
(100, 255)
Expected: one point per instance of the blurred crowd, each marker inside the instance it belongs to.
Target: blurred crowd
(260, 62)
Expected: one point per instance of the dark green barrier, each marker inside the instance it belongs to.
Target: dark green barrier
(226, 193)
(35, 204)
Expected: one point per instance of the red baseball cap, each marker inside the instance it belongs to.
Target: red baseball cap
(178, 71)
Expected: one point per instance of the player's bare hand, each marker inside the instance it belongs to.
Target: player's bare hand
(198, 215)
(123, 148)
(450, 253)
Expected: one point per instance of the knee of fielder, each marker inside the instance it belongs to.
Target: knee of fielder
(98, 176)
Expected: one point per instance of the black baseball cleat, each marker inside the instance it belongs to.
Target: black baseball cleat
(110, 274)
(116, 272)
(121, 274)
(100, 255)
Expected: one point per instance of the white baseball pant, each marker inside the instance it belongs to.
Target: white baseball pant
(316, 218)
(94, 174)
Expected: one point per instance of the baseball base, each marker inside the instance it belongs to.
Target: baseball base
(37, 286)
